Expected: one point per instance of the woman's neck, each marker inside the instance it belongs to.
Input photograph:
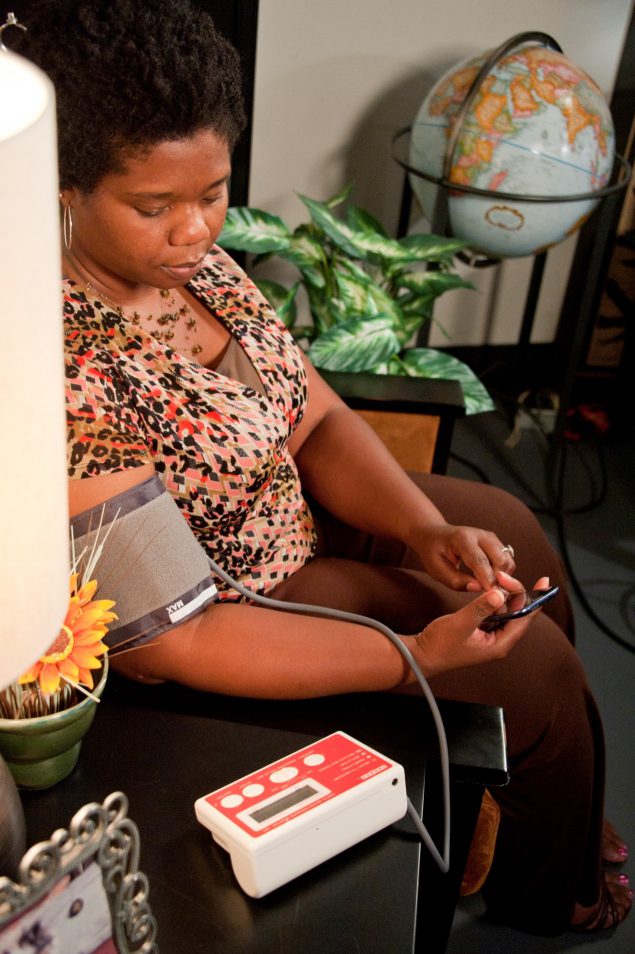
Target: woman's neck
(170, 315)
(117, 292)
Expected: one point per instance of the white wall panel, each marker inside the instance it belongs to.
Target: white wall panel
(336, 78)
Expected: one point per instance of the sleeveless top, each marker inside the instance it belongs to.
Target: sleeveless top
(218, 445)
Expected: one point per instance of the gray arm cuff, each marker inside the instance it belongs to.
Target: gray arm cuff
(151, 565)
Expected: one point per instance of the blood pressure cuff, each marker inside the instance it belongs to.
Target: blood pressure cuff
(150, 563)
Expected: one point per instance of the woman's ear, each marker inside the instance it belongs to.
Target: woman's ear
(67, 197)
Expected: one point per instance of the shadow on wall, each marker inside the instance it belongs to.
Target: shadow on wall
(377, 179)
(368, 164)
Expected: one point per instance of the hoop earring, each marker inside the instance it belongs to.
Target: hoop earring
(67, 228)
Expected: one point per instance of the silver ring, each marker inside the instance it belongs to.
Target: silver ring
(508, 549)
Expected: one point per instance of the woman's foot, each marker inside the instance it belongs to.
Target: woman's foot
(610, 909)
(614, 849)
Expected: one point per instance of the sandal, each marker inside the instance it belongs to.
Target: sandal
(607, 913)
(614, 850)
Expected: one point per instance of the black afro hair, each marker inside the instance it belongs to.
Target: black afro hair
(129, 74)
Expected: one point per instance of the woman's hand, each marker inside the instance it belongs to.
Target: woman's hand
(463, 558)
(455, 641)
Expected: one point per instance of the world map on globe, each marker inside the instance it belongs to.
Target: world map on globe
(538, 125)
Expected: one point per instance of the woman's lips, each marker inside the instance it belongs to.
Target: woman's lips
(182, 272)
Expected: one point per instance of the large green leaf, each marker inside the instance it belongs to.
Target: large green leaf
(348, 266)
(430, 284)
(385, 304)
(362, 297)
(415, 309)
(430, 363)
(353, 290)
(305, 250)
(250, 230)
(424, 247)
(307, 254)
(411, 323)
(364, 243)
(363, 221)
(355, 345)
(364, 238)
(339, 197)
(327, 310)
(281, 298)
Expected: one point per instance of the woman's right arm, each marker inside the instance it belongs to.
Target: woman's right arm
(246, 650)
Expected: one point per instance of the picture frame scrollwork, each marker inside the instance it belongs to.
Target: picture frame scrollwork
(90, 868)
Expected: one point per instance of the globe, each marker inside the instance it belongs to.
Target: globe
(538, 125)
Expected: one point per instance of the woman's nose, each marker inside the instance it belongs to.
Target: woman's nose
(190, 227)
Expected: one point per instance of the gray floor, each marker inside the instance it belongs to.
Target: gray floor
(601, 545)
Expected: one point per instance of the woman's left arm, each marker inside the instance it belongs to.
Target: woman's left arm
(346, 468)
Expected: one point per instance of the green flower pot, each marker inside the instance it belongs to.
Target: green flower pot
(41, 752)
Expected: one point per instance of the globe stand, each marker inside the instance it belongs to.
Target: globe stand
(440, 225)
(440, 219)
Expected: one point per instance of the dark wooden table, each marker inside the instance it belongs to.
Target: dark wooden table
(164, 747)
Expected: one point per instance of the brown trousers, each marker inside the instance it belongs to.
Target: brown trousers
(548, 849)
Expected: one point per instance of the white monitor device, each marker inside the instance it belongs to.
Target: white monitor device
(293, 814)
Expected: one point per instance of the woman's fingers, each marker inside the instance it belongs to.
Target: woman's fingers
(509, 583)
(477, 555)
(456, 640)
(542, 583)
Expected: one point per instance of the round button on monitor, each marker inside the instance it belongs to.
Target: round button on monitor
(232, 801)
(284, 774)
(314, 759)
(252, 791)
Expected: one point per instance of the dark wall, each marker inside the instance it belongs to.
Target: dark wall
(237, 20)
(591, 279)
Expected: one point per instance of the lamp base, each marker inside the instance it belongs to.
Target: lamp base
(12, 825)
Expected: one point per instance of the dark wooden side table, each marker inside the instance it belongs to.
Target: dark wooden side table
(165, 746)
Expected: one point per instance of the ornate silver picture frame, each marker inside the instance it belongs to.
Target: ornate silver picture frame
(81, 892)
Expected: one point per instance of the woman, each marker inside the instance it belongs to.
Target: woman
(178, 368)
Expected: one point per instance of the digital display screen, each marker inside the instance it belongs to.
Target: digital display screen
(283, 803)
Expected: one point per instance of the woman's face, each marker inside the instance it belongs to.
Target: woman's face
(153, 223)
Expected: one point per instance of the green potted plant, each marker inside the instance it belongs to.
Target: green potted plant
(46, 712)
(368, 294)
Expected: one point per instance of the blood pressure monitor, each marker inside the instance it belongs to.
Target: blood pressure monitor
(293, 814)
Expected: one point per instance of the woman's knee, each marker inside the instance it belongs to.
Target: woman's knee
(467, 502)
(540, 685)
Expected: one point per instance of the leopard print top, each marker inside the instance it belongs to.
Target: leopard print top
(219, 446)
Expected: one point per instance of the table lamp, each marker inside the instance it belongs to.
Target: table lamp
(34, 535)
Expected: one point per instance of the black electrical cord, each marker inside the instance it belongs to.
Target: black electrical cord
(540, 505)
(550, 509)
(554, 469)
(600, 493)
(555, 508)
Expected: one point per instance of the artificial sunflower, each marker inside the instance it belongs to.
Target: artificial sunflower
(79, 644)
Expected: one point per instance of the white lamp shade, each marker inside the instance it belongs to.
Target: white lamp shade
(34, 534)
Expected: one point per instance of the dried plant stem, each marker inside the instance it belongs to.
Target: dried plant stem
(28, 702)
(80, 688)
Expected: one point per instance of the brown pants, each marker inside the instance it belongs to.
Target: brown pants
(548, 849)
